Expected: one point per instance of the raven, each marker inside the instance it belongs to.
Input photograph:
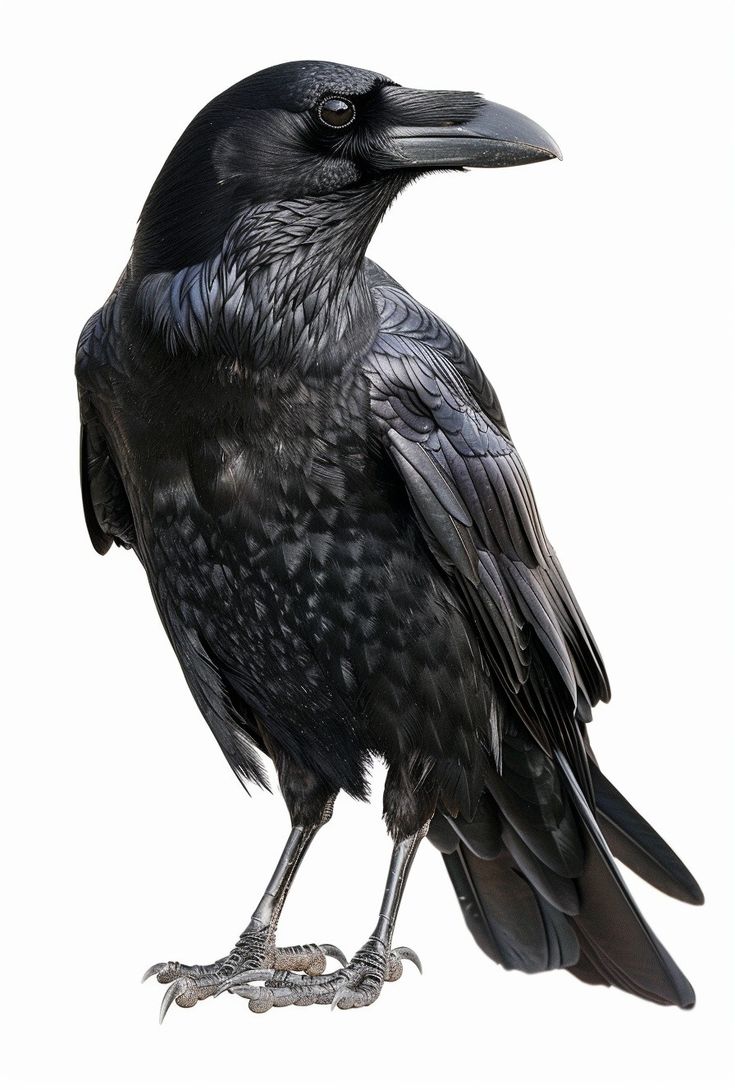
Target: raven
(343, 544)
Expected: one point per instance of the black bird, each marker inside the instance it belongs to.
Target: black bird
(343, 544)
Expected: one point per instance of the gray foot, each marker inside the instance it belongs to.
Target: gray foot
(355, 985)
(252, 953)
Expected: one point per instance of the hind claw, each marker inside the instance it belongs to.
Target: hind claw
(405, 953)
(338, 996)
(333, 952)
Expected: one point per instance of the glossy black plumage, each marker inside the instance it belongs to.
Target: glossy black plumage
(340, 537)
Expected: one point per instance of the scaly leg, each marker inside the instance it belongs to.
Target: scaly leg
(357, 984)
(255, 949)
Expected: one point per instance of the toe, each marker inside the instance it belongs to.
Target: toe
(310, 959)
(300, 959)
(394, 969)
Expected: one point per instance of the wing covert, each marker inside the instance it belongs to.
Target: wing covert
(443, 428)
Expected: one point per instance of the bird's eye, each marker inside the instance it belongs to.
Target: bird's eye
(337, 113)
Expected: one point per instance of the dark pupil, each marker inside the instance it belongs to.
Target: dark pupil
(337, 112)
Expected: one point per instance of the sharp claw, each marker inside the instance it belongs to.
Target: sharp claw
(405, 953)
(245, 991)
(176, 989)
(153, 971)
(339, 994)
(243, 978)
(333, 952)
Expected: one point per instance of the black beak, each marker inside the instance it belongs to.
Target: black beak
(493, 136)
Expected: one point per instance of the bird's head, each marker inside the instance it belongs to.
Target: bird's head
(311, 130)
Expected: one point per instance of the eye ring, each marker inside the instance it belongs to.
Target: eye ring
(336, 112)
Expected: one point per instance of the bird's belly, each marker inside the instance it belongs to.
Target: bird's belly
(326, 612)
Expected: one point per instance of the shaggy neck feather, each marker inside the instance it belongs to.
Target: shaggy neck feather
(286, 289)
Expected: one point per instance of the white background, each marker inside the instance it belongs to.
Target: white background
(597, 293)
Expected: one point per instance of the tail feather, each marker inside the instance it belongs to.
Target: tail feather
(629, 954)
(528, 795)
(533, 907)
(558, 890)
(585, 969)
(639, 846)
(482, 835)
(508, 919)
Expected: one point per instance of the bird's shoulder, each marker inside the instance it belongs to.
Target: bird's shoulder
(100, 348)
(407, 327)
(441, 422)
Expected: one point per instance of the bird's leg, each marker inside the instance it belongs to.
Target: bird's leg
(255, 949)
(360, 982)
